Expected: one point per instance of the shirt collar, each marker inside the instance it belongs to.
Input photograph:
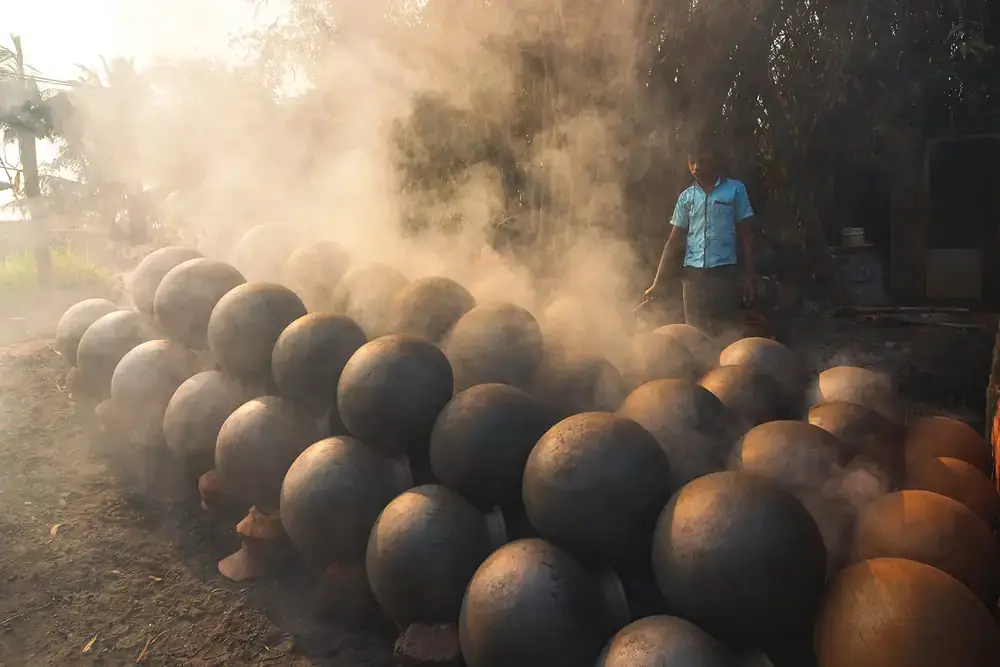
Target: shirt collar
(718, 182)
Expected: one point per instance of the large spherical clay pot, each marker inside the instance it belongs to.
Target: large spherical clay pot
(731, 527)
(569, 383)
(871, 441)
(186, 296)
(366, 294)
(864, 386)
(103, 345)
(245, 325)
(796, 454)
(310, 355)
(690, 423)
(807, 461)
(423, 550)
(264, 249)
(75, 321)
(933, 529)
(659, 357)
(931, 437)
(314, 270)
(391, 392)
(147, 275)
(256, 446)
(956, 479)
(144, 382)
(429, 307)
(888, 612)
(751, 397)
(195, 414)
(594, 484)
(533, 605)
(860, 429)
(702, 348)
(481, 441)
(771, 358)
(496, 342)
(332, 495)
(662, 641)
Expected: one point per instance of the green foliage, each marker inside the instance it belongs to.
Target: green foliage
(438, 142)
(824, 105)
(33, 114)
(38, 116)
(70, 270)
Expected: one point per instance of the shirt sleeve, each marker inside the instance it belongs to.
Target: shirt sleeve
(680, 218)
(741, 204)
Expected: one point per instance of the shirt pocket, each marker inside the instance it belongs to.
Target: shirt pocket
(724, 207)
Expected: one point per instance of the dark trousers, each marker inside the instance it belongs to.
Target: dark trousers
(713, 299)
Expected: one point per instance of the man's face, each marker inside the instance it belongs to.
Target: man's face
(703, 166)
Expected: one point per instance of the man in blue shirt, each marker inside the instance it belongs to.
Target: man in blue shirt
(710, 225)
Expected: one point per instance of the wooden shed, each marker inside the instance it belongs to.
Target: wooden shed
(944, 231)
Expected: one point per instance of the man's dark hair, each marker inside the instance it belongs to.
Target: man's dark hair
(704, 146)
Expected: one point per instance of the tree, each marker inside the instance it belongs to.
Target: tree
(25, 122)
(149, 149)
(99, 148)
(826, 104)
(8, 85)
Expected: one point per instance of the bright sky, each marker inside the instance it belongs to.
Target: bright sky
(57, 35)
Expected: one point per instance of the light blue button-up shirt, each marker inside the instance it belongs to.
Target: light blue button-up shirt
(710, 221)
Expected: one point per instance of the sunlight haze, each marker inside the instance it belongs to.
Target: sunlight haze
(58, 36)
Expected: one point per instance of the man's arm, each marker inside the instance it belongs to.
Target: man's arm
(673, 249)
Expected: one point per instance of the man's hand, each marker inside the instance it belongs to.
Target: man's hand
(749, 287)
(652, 291)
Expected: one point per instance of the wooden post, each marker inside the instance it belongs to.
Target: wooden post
(992, 413)
(33, 194)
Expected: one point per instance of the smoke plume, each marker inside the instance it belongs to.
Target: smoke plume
(492, 143)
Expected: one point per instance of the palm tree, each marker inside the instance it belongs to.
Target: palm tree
(8, 78)
(25, 126)
(117, 89)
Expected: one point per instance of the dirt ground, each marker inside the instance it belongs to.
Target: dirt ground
(97, 569)
(94, 571)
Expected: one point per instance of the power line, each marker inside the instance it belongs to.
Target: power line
(40, 79)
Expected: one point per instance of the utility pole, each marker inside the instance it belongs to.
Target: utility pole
(32, 186)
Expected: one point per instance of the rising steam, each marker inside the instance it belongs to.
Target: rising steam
(357, 155)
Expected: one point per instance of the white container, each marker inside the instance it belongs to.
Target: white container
(852, 237)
